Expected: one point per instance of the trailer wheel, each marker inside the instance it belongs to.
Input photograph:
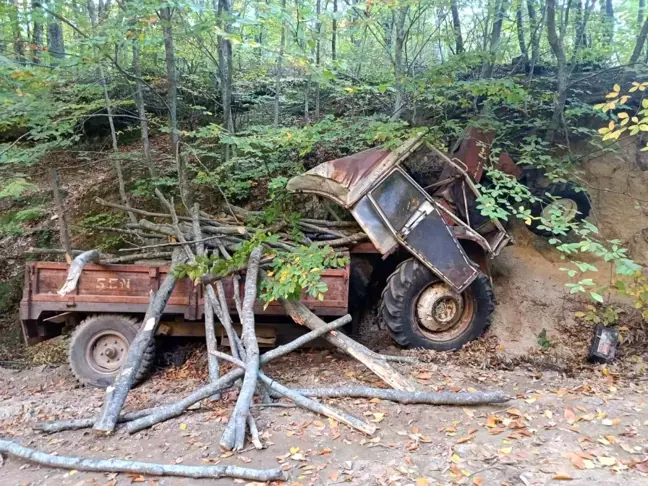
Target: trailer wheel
(422, 311)
(99, 346)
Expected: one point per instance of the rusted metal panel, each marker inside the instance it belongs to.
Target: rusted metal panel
(125, 289)
(346, 180)
(434, 244)
(364, 247)
(335, 302)
(474, 151)
(417, 223)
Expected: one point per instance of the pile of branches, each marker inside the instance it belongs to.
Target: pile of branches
(248, 376)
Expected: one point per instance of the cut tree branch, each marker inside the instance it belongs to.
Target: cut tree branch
(117, 465)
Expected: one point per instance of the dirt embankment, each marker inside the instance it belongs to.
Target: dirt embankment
(529, 285)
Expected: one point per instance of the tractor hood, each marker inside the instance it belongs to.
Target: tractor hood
(347, 179)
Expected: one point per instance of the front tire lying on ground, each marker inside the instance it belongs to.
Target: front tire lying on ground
(422, 311)
(99, 346)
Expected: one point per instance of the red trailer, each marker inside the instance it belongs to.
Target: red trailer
(110, 300)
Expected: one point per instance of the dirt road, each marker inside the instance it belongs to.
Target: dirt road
(580, 430)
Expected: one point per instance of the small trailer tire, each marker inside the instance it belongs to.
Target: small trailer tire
(421, 311)
(99, 346)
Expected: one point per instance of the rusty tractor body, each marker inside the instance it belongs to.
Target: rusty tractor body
(441, 297)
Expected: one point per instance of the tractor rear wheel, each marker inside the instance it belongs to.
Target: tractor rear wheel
(99, 347)
(422, 311)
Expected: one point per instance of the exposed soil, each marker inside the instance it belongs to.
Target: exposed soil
(587, 428)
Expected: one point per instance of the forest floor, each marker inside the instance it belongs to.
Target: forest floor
(584, 428)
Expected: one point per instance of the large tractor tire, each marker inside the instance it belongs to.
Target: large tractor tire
(422, 311)
(99, 347)
(574, 203)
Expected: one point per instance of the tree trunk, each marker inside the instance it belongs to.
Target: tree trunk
(520, 32)
(501, 7)
(55, 42)
(234, 434)
(165, 15)
(62, 216)
(37, 32)
(301, 315)
(405, 397)
(556, 43)
(334, 31)
(76, 267)
(318, 46)
(641, 40)
(225, 68)
(141, 109)
(535, 27)
(282, 45)
(609, 20)
(18, 44)
(456, 26)
(399, 101)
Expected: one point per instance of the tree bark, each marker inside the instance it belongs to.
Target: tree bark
(225, 68)
(535, 28)
(234, 435)
(282, 45)
(641, 40)
(556, 43)
(165, 15)
(18, 44)
(86, 423)
(318, 47)
(37, 32)
(501, 7)
(141, 109)
(334, 31)
(609, 20)
(151, 469)
(303, 316)
(428, 398)
(62, 216)
(456, 27)
(520, 32)
(76, 268)
(399, 21)
(175, 409)
(115, 395)
(55, 42)
(115, 146)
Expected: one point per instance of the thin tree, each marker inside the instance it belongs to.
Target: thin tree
(318, 46)
(399, 17)
(501, 7)
(282, 46)
(456, 27)
(223, 12)
(334, 31)
(165, 14)
(55, 41)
